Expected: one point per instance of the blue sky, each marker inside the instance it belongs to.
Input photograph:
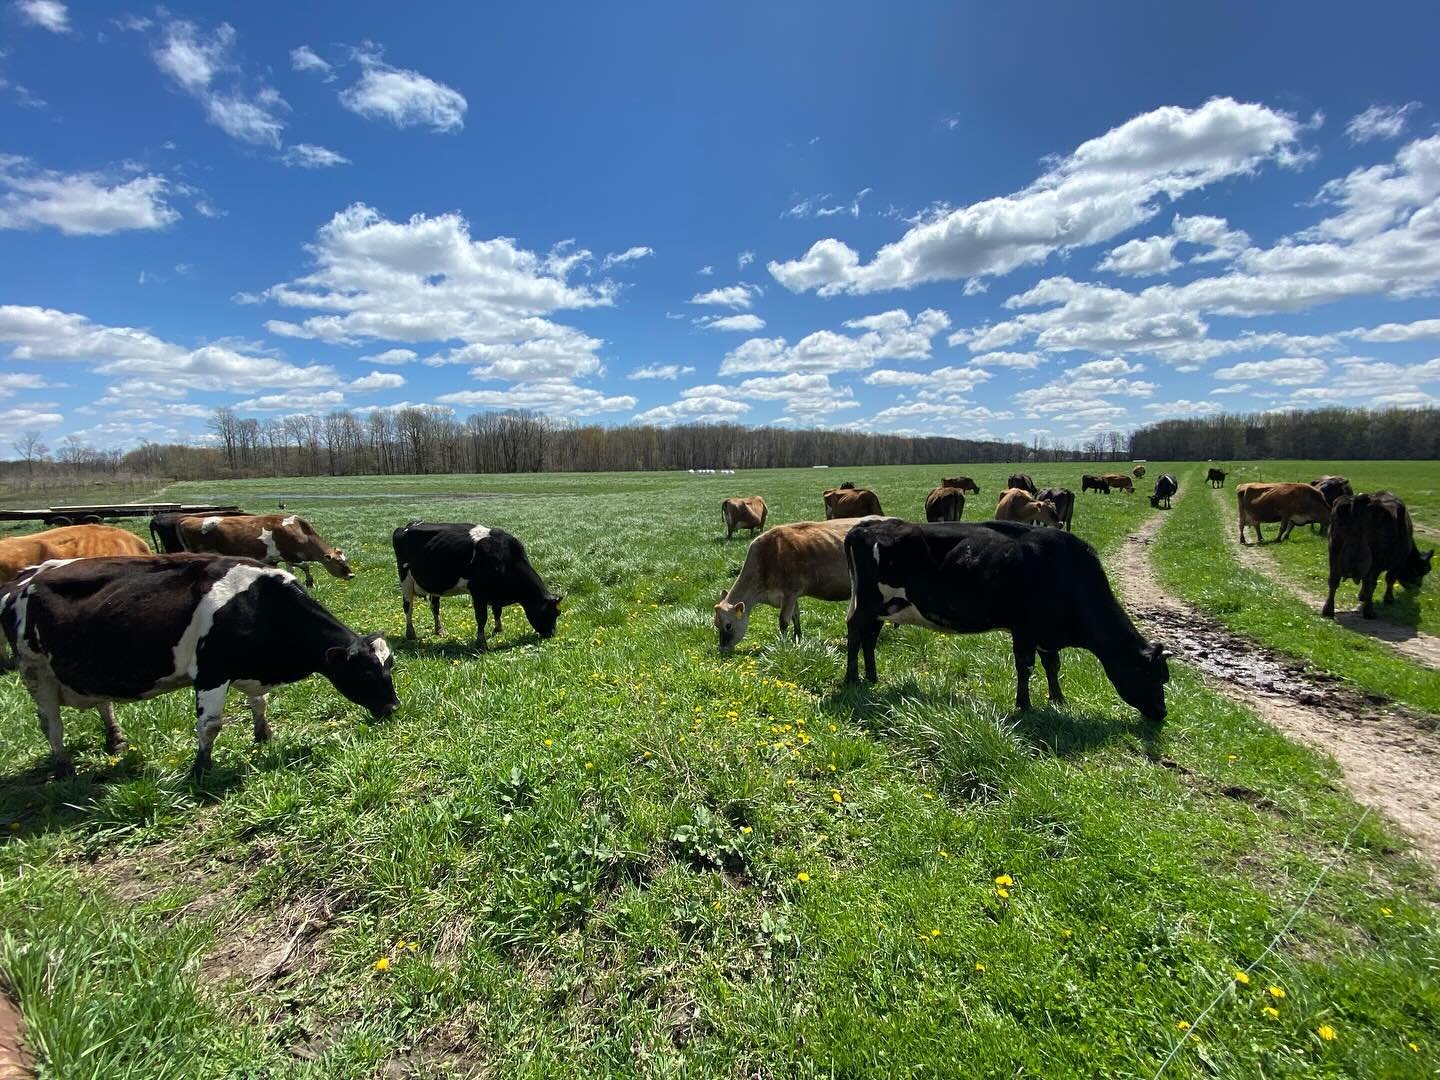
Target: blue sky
(979, 220)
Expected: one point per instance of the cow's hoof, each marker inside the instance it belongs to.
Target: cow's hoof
(200, 768)
(262, 734)
(1327, 612)
(64, 770)
(116, 747)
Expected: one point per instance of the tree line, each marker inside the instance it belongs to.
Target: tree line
(1338, 434)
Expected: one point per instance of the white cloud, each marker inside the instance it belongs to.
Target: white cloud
(27, 417)
(1107, 186)
(1415, 331)
(739, 297)
(1233, 388)
(1286, 371)
(1088, 393)
(304, 58)
(699, 405)
(404, 98)
(891, 335)
(744, 259)
(1380, 122)
(960, 380)
(390, 356)
(1136, 258)
(660, 371)
(557, 397)
(80, 204)
(706, 271)
(1210, 232)
(195, 60)
(628, 255)
(11, 381)
(1184, 407)
(47, 14)
(294, 401)
(746, 323)
(1023, 360)
(378, 380)
(816, 206)
(310, 156)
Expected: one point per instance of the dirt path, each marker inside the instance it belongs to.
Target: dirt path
(1389, 755)
(1409, 642)
(15, 1061)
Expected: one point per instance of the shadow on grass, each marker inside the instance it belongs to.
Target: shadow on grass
(452, 648)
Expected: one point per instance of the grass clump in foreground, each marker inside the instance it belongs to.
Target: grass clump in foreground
(1193, 561)
(615, 852)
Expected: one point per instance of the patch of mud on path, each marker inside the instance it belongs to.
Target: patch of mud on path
(1409, 642)
(15, 1062)
(1389, 755)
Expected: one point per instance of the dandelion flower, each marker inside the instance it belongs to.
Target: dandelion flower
(1003, 893)
(1277, 992)
(1326, 1032)
(934, 933)
(929, 794)
(1067, 934)
(589, 764)
(1272, 1012)
(746, 829)
(1242, 978)
(802, 877)
(549, 742)
(1004, 879)
(979, 967)
(383, 964)
(944, 854)
(1414, 1047)
(837, 796)
(1182, 1025)
(1231, 757)
(1385, 911)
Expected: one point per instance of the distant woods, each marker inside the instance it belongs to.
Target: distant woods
(434, 440)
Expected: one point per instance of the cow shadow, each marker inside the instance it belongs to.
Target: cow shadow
(453, 648)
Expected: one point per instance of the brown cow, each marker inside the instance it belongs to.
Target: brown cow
(804, 558)
(269, 538)
(1121, 481)
(1288, 504)
(850, 502)
(1022, 481)
(945, 504)
(1138, 471)
(71, 542)
(1215, 478)
(964, 483)
(744, 514)
(1369, 536)
(1017, 504)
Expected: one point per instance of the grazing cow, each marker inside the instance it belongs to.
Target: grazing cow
(91, 632)
(743, 514)
(1331, 487)
(1138, 471)
(1288, 504)
(848, 501)
(964, 483)
(1022, 481)
(1215, 478)
(1044, 586)
(1091, 482)
(437, 560)
(945, 504)
(1063, 499)
(1017, 504)
(1165, 487)
(268, 538)
(1121, 481)
(165, 528)
(70, 542)
(1372, 535)
(804, 558)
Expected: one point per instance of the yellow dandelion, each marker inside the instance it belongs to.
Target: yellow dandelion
(549, 742)
(790, 780)
(934, 933)
(929, 794)
(648, 754)
(944, 854)
(802, 877)
(1276, 992)
(834, 727)
(383, 964)
(1414, 1047)
(1182, 1025)
(717, 905)
(1004, 879)
(1067, 934)
(979, 967)
(1326, 1032)
(589, 764)
(1242, 978)
(746, 829)
(1003, 893)
(1385, 911)
(837, 796)
(1272, 1012)
(831, 767)
(1231, 757)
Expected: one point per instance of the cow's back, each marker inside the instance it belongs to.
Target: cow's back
(69, 542)
(806, 557)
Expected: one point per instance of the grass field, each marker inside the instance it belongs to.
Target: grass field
(615, 852)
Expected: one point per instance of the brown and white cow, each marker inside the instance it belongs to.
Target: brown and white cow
(71, 542)
(851, 502)
(964, 483)
(268, 538)
(1017, 504)
(1288, 504)
(744, 514)
(804, 558)
(1121, 481)
(945, 504)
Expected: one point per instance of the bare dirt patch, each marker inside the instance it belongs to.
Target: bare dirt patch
(1409, 642)
(1388, 754)
(15, 1061)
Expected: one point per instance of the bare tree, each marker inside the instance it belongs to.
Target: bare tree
(31, 448)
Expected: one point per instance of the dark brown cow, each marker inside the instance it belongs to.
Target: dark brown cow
(1091, 482)
(71, 542)
(964, 483)
(1063, 499)
(1121, 481)
(1372, 535)
(945, 504)
(1215, 478)
(1017, 504)
(1022, 481)
(1287, 504)
(744, 514)
(268, 538)
(851, 502)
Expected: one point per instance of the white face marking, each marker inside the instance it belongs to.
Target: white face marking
(289, 520)
(208, 524)
(202, 618)
(272, 553)
(381, 650)
(478, 533)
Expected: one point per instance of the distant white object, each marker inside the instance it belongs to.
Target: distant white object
(692, 472)
(819, 466)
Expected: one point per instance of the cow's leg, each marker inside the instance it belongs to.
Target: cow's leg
(407, 598)
(1390, 587)
(257, 710)
(861, 631)
(496, 609)
(309, 580)
(1024, 664)
(1050, 660)
(480, 613)
(790, 615)
(1367, 593)
(47, 704)
(114, 738)
(209, 718)
(1328, 611)
(435, 616)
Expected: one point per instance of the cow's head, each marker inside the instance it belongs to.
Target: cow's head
(731, 622)
(1140, 679)
(1043, 512)
(1411, 573)
(334, 561)
(1155, 501)
(544, 614)
(362, 673)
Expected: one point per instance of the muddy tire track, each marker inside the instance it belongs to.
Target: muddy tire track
(1409, 642)
(1389, 754)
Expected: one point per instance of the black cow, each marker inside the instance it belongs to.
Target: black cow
(439, 559)
(1091, 482)
(1165, 487)
(1215, 478)
(1372, 535)
(1064, 500)
(1022, 481)
(92, 632)
(1330, 488)
(1045, 586)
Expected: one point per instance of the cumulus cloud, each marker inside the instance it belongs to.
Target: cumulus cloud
(1380, 122)
(402, 97)
(47, 14)
(1414, 331)
(660, 371)
(746, 323)
(946, 379)
(1105, 187)
(1136, 258)
(196, 62)
(390, 356)
(310, 156)
(891, 335)
(1214, 233)
(557, 397)
(1022, 360)
(628, 255)
(1286, 371)
(697, 408)
(80, 204)
(378, 380)
(1094, 392)
(294, 401)
(739, 297)
(304, 58)
(31, 417)
(1183, 407)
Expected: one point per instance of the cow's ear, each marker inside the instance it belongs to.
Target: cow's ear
(557, 598)
(724, 593)
(740, 610)
(335, 655)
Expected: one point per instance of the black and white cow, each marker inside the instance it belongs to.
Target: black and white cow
(1165, 488)
(438, 559)
(90, 632)
(1045, 586)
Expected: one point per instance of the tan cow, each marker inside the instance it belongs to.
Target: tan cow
(851, 502)
(1138, 471)
(1288, 504)
(804, 558)
(71, 542)
(1121, 481)
(270, 538)
(1017, 504)
(945, 504)
(744, 514)
(964, 483)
